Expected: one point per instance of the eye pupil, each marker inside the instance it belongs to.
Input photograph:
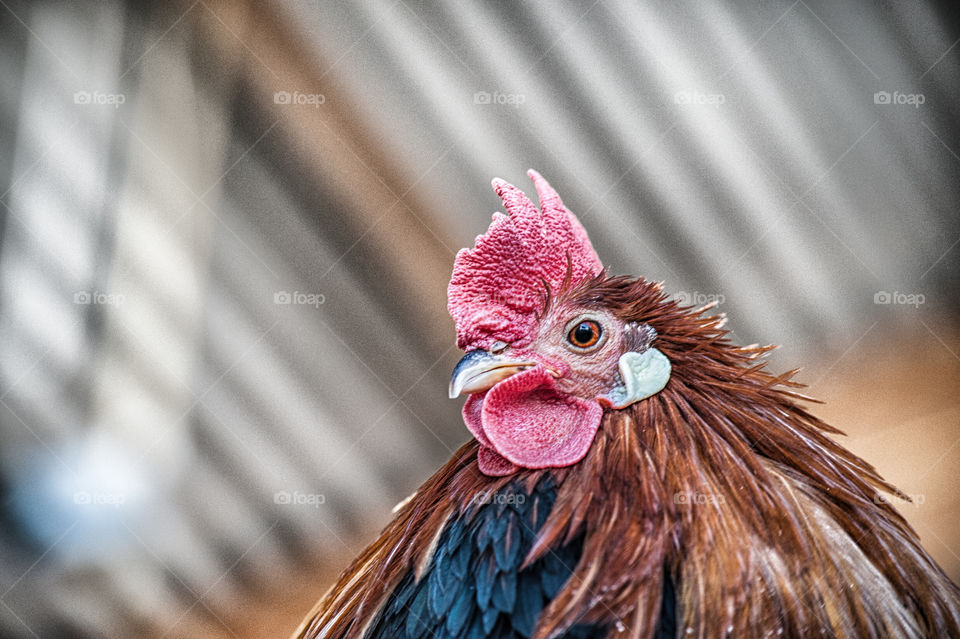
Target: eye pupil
(585, 334)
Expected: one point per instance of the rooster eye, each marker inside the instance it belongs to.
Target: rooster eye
(585, 334)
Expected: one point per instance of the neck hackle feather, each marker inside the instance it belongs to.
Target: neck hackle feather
(721, 488)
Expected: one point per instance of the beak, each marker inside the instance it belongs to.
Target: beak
(480, 370)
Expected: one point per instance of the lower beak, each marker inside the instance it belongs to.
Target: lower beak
(480, 370)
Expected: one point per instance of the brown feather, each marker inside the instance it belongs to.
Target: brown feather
(722, 482)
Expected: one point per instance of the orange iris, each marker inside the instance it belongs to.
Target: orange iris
(585, 334)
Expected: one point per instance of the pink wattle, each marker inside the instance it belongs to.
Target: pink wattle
(493, 464)
(524, 421)
(472, 411)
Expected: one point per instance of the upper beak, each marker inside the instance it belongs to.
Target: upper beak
(480, 370)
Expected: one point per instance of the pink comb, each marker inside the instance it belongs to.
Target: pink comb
(497, 287)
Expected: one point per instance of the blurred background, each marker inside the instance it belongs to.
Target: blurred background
(227, 229)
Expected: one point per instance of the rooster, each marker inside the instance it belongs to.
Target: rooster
(632, 473)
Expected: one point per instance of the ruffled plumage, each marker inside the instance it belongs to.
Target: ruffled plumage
(721, 488)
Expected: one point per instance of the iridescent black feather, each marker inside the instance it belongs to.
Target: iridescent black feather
(474, 586)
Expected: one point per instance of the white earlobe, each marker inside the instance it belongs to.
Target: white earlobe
(642, 374)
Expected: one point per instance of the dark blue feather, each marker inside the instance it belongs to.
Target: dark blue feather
(504, 591)
(485, 529)
(486, 575)
(473, 586)
(529, 603)
(461, 561)
(417, 615)
(506, 545)
(444, 586)
(490, 616)
(464, 607)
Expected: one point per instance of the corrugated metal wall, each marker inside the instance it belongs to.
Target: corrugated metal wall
(228, 227)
